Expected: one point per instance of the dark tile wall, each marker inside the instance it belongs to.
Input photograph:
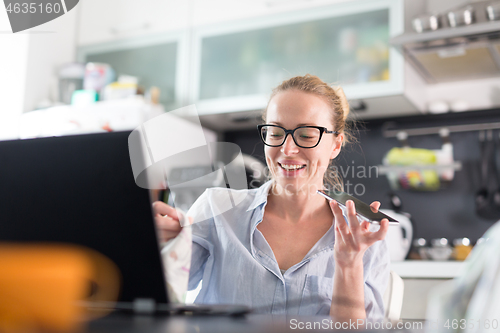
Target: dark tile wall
(448, 212)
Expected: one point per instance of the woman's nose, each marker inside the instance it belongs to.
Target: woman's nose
(289, 147)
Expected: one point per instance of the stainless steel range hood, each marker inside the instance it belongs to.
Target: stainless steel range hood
(454, 54)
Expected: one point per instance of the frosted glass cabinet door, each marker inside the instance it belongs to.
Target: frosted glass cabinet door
(154, 65)
(348, 49)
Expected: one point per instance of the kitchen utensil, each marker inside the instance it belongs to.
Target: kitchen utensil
(395, 202)
(493, 11)
(399, 237)
(97, 76)
(420, 246)
(485, 202)
(461, 16)
(426, 22)
(407, 229)
(495, 162)
(70, 80)
(440, 249)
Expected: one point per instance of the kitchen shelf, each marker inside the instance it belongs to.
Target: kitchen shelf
(447, 33)
(427, 269)
(392, 132)
(384, 169)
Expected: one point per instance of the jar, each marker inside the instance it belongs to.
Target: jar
(462, 248)
(440, 249)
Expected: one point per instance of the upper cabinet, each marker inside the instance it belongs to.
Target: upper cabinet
(110, 20)
(156, 60)
(228, 57)
(235, 65)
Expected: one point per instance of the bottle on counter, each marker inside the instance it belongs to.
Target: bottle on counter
(462, 248)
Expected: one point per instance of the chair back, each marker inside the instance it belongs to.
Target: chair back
(393, 297)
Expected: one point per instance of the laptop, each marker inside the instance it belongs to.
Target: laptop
(80, 189)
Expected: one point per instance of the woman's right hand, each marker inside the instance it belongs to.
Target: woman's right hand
(167, 221)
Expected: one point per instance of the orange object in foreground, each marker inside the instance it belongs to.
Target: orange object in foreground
(42, 286)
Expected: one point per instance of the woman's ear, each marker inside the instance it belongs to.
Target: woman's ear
(337, 146)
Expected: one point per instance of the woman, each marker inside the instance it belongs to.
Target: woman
(285, 249)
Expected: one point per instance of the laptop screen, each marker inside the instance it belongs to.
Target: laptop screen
(81, 189)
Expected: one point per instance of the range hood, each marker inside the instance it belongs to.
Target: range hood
(454, 54)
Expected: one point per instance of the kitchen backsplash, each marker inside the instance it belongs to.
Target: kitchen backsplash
(448, 212)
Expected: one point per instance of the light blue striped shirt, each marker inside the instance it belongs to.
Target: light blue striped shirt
(237, 265)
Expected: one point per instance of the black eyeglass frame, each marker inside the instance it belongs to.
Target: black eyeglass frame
(291, 132)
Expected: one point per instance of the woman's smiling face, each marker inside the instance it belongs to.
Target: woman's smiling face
(294, 168)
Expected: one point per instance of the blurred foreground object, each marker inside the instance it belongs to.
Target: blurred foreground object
(44, 287)
(473, 297)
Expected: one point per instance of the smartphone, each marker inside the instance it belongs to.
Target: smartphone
(363, 210)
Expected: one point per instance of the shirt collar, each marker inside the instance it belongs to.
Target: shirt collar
(260, 196)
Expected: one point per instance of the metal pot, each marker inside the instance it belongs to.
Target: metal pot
(426, 22)
(493, 11)
(462, 16)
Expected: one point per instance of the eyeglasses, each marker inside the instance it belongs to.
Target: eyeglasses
(303, 136)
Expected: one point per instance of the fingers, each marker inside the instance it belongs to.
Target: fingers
(166, 222)
(365, 226)
(351, 215)
(162, 208)
(165, 236)
(167, 227)
(375, 206)
(382, 232)
(338, 235)
(341, 224)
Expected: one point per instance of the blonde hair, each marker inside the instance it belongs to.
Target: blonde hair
(337, 101)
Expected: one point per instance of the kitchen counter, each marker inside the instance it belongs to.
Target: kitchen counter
(420, 278)
(427, 269)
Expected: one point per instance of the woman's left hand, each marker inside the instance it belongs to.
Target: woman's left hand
(351, 241)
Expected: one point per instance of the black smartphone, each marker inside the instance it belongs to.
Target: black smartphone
(363, 210)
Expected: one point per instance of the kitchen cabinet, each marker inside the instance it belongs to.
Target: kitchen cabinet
(111, 20)
(229, 68)
(156, 60)
(420, 279)
(235, 65)
(205, 12)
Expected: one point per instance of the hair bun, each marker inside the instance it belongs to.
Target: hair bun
(343, 100)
